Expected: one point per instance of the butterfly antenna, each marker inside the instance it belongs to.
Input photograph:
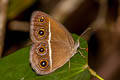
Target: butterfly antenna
(85, 31)
(78, 41)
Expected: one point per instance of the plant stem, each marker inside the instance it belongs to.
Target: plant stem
(3, 17)
(94, 73)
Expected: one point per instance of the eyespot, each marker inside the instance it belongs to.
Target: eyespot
(41, 32)
(42, 49)
(43, 63)
(41, 19)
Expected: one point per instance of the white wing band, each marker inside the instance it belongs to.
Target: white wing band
(49, 43)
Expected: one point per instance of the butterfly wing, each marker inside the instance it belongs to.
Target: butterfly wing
(53, 44)
(60, 55)
(39, 30)
(40, 21)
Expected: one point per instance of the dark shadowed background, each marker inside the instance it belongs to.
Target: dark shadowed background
(102, 16)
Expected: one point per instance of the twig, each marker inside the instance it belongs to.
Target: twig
(109, 52)
(65, 8)
(99, 21)
(118, 19)
(93, 73)
(19, 26)
(61, 11)
(3, 15)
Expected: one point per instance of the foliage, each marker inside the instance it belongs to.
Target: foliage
(16, 67)
(18, 6)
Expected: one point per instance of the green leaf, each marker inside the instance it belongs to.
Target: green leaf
(15, 7)
(16, 67)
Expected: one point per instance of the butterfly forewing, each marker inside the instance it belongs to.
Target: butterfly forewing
(39, 30)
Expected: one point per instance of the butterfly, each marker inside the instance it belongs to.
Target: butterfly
(53, 45)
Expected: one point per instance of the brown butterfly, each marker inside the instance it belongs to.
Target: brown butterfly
(53, 45)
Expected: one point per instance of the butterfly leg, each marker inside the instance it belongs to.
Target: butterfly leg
(80, 48)
(81, 54)
(83, 49)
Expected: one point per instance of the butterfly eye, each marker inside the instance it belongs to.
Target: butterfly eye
(43, 64)
(41, 19)
(41, 32)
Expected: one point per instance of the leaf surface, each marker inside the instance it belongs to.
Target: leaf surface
(16, 66)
